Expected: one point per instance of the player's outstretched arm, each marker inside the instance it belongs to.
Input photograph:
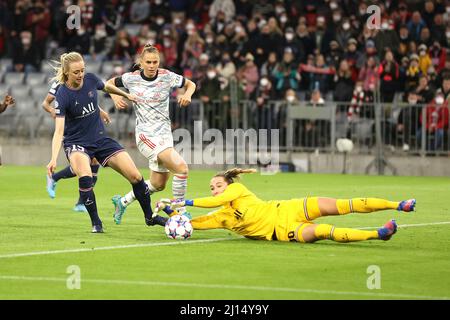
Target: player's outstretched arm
(47, 105)
(185, 99)
(112, 89)
(56, 143)
(119, 102)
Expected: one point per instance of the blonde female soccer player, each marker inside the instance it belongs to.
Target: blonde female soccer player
(67, 172)
(78, 122)
(284, 220)
(152, 86)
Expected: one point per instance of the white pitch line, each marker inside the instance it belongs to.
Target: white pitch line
(226, 286)
(157, 244)
(139, 245)
(412, 225)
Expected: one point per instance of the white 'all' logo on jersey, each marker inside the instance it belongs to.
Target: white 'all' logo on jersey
(89, 109)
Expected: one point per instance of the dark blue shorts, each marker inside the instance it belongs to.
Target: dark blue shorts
(102, 150)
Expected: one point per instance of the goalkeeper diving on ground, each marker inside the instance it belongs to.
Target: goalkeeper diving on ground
(241, 211)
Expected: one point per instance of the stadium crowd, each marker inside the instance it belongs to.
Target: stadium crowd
(279, 49)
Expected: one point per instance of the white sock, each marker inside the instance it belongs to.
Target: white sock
(129, 198)
(179, 188)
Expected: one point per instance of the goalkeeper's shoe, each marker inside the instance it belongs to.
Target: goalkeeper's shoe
(407, 205)
(119, 209)
(388, 230)
(51, 186)
(156, 220)
(79, 207)
(97, 228)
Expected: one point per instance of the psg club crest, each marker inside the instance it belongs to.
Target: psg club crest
(91, 94)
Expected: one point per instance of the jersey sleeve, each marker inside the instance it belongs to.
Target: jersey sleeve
(99, 84)
(232, 192)
(213, 220)
(54, 89)
(176, 80)
(60, 104)
(125, 78)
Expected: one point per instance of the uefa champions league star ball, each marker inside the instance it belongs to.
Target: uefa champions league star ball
(178, 227)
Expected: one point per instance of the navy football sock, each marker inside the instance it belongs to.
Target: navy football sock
(94, 169)
(63, 174)
(88, 198)
(142, 194)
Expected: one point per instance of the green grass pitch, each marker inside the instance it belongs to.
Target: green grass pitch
(132, 261)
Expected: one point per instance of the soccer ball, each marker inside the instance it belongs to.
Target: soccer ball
(178, 227)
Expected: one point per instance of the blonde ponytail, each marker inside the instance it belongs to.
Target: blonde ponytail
(61, 67)
(232, 175)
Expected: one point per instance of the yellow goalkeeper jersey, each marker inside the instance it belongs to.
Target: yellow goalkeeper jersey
(242, 212)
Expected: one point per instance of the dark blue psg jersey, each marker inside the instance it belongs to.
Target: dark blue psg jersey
(83, 125)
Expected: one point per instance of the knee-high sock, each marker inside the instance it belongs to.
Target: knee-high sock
(130, 197)
(326, 231)
(142, 194)
(94, 169)
(179, 188)
(63, 174)
(364, 205)
(88, 198)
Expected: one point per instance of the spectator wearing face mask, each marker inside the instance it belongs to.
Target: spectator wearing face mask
(263, 112)
(169, 50)
(345, 32)
(209, 93)
(25, 55)
(248, 74)
(408, 123)
(424, 59)
(292, 42)
(436, 122)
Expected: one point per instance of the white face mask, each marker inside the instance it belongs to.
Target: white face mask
(210, 74)
(333, 5)
(289, 36)
(290, 98)
(346, 26)
(177, 21)
(264, 82)
(160, 21)
(412, 101)
(167, 43)
(209, 40)
(447, 34)
(337, 17)
(26, 41)
(279, 9)
(358, 88)
(385, 26)
(283, 19)
(158, 2)
(439, 100)
(238, 29)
